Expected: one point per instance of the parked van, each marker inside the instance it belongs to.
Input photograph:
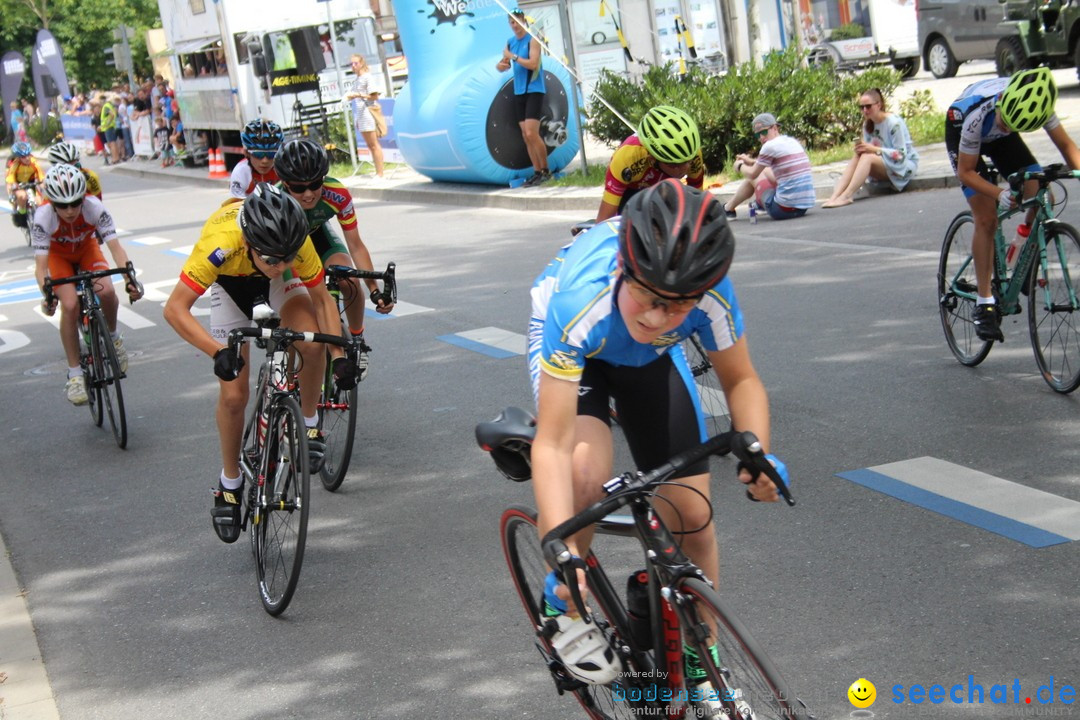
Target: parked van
(955, 31)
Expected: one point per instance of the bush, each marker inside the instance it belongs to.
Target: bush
(814, 104)
(848, 31)
(47, 136)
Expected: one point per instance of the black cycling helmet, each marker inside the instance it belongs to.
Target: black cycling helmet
(273, 222)
(676, 239)
(301, 161)
(262, 136)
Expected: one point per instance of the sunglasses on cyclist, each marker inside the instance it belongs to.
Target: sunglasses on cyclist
(652, 300)
(263, 154)
(299, 188)
(67, 205)
(275, 260)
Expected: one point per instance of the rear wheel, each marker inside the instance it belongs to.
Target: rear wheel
(713, 401)
(957, 293)
(90, 362)
(280, 523)
(108, 381)
(747, 686)
(521, 545)
(1054, 309)
(337, 420)
(908, 67)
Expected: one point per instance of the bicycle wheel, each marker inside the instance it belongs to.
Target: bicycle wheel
(713, 401)
(957, 293)
(521, 545)
(90, 362)
(1053, 310)
(337, 420)
(281, 520)
(108, 381)
(747, 684)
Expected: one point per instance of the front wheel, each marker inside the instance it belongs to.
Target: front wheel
(713, 401)
(1054, 309)
(337, 420)
(521, 545)
(957, 292)
(745, 684)
(107, 379)
(90, 361)
(280, 521)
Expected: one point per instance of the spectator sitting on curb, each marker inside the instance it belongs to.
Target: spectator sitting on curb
(885, 153)
(786, 187)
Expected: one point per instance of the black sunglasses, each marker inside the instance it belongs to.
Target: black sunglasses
(866, 106)
(274, 260)
(301, 188)
(67, 205)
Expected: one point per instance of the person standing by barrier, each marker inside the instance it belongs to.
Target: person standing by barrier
(522, 53)
(109, 126)
(365, 121)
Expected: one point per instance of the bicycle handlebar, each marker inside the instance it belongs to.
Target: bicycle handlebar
(388, 276)
(1047, 175)
(87, 275)
(284, 336)
(622, 489)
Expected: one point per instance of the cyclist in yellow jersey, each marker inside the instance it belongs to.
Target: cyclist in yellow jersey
(667, 144)
(23, 169)
(251, 251)
(67, 153)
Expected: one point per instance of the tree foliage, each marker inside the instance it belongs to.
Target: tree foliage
(84, 30)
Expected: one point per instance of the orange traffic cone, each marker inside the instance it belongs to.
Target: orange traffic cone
(217, 165)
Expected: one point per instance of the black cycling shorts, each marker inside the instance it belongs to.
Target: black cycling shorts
(655, 407)
(528, 106)
(1009, 154)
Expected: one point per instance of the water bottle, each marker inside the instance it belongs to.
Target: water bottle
(1013, 252)
(637, 608)
(753, 213)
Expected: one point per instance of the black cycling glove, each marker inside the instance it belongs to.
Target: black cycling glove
(227, 364)
(345, 373)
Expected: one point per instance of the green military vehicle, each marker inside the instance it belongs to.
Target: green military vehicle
(1044, 32)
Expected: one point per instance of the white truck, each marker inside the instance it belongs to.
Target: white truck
(893, 39)
(242, 60)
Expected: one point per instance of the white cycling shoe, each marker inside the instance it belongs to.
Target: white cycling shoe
(584, 651)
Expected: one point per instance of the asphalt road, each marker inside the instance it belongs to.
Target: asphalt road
(405, 608)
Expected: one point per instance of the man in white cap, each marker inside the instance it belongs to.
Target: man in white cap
(779, 178)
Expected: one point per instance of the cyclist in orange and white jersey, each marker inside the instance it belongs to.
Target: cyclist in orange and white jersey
(667, 144)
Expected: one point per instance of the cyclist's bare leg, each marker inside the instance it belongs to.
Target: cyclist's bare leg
(298, 314)
(110, 304)
(984, 213)
(353, 296)
(68, 300)
(232, 403)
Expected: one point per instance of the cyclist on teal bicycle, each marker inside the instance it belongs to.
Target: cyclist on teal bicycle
(987, 119)
(608, 316)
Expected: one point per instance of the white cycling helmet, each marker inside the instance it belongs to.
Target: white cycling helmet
(584, 651)
(65, 184)
(64, 153)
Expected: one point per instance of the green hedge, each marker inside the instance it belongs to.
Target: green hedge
(47, 136)
(817, 105)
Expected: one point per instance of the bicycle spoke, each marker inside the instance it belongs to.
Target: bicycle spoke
(337, 420)
(956, 292)
(1053, 311)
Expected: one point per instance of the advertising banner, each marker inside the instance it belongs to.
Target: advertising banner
(50, 79)
(12, 70)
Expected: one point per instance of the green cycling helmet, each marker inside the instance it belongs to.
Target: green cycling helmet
(669, 134)
(1028, 100)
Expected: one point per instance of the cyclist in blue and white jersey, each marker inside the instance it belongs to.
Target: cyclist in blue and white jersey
(608, 315)
(987, 119)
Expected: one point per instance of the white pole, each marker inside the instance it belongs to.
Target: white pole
(346, 109)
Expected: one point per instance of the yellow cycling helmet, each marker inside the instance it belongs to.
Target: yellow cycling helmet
(669, 134)
(1028, 100)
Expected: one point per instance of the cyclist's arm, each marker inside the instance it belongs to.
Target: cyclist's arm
(119, 254)
(1065, 145)
(326, 314)
(607, 211)
(41, 270)
(552, 451)
(360, 255)
(533, 61)
(749, 405)
(178, 314)
(967, 174)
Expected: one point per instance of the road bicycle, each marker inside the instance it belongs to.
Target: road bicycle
(1047, 271)
(713, 401)
(274, 460)
(97, 355)
(31, 189)
(669, 608)
(338, 407)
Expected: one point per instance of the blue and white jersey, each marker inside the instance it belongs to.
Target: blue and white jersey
(974, 113)
(575, 316)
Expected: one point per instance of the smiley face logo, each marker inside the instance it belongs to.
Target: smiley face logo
(862, 693)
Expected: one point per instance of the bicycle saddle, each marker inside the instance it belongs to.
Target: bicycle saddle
(509, 440)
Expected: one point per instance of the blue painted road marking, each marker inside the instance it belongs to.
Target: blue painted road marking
(490, 341)
(1018, 512)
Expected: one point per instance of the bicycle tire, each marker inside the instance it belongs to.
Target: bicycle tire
(1053, 317)
(957, 290)
(747, 684)
(337, 420)
(112, 395)
(282, 518)
(713, 401)
(521, 546)
(93, 372)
